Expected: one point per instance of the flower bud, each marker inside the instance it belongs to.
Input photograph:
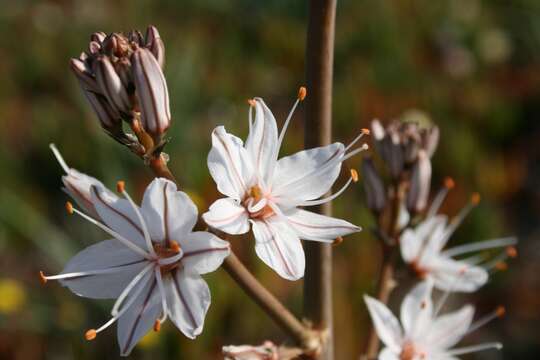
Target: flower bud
(108, 117)
(373, 186)
(84, 75)
(417, 196)
(111, 85)
(431, 140)
(94, 47)
(98, 37)
(151, 90)
(136, 37)
(155, 45)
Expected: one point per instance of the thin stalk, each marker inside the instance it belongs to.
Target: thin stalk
(318, 132)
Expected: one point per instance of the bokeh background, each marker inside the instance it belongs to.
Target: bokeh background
(470, 66)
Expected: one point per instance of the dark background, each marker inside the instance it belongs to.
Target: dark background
(470, 66)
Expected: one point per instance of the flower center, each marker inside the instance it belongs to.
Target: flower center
(420, 271)
(168, 256)
(257, 204)
(409, 352)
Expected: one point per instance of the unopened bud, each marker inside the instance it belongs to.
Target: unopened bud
(373, 186)
(377, 129)
(136, 37)
(94, 47)
(98, 37)
(83, 74)
(418, 194)
(108, 117)
(111, 85)
(155, 45)
(152, 92)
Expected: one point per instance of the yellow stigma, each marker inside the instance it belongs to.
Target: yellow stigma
(90, 335)
(354, 175)
(121, 186)
(69, 207)
(302, 92)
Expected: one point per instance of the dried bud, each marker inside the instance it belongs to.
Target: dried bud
(111, 85)
(151, 90)
(373, 186)
(417, 196)
(155, 45)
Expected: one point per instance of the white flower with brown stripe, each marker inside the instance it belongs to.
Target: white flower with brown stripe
(268, 193)
(152, 266)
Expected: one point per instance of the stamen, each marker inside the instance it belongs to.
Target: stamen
(474, 348)
(59, 158)
(329, 198)
(458, 219)
(116, 235)
(69, 208)
(337, 241)
(439, 198)
(481, 245)
(161, 287)
(130, 287)
(500, 266)
(355, 140)
(157, 325)
(354, 175)
(77, 274)
(42, 278)
(511, 252)
(497, 262)
(175, 246)
(289, 117)
(447, 292)
(302, 92)
(497, 314)
(120, 186)
(90, 335)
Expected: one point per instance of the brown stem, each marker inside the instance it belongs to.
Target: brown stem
(386, 279)
(318, 132)
(306, 338)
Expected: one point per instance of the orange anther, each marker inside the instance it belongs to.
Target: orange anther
(69, 207)
(338, 241)
(251, 102)
(90, 334)
(511, 252)
(42, 278)
(475, 198)
(366, 131)
(449, 183)
(354, 175)
(501, 266)
(157, 325)
(120, 186)
(302, 92)
(175, 247)
(500, 311)
(423, 305)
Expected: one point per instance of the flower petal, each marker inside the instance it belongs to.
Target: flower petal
(105, 255)
(410, 245)
(262, 141)
(417, 309)
(278, 246)
(169, 214)
(118, 214)
(388, 354)
(447, 330)
(452, 275)
(304, 175)
(203, 252)
(229, 164)
(188, 299)
(228, 216)
(140, 317)
(386, 324)
(312, 226)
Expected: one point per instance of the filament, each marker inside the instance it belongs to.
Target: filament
(130, 287)
(496, 314)
(161, 287)
(59, 158)
(474, 348)
(482, 245)
(329, 198)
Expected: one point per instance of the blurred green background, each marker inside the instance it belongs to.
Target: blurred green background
(471, 66)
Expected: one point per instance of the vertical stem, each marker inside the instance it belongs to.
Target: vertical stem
(318, 131)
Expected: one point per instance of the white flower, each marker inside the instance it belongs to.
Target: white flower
(152, 266)
(423, 249)
(423, 335)
(77, 185)
(268, 193)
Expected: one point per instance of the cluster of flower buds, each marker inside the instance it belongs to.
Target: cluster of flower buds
(121, 76)
(406, 149)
